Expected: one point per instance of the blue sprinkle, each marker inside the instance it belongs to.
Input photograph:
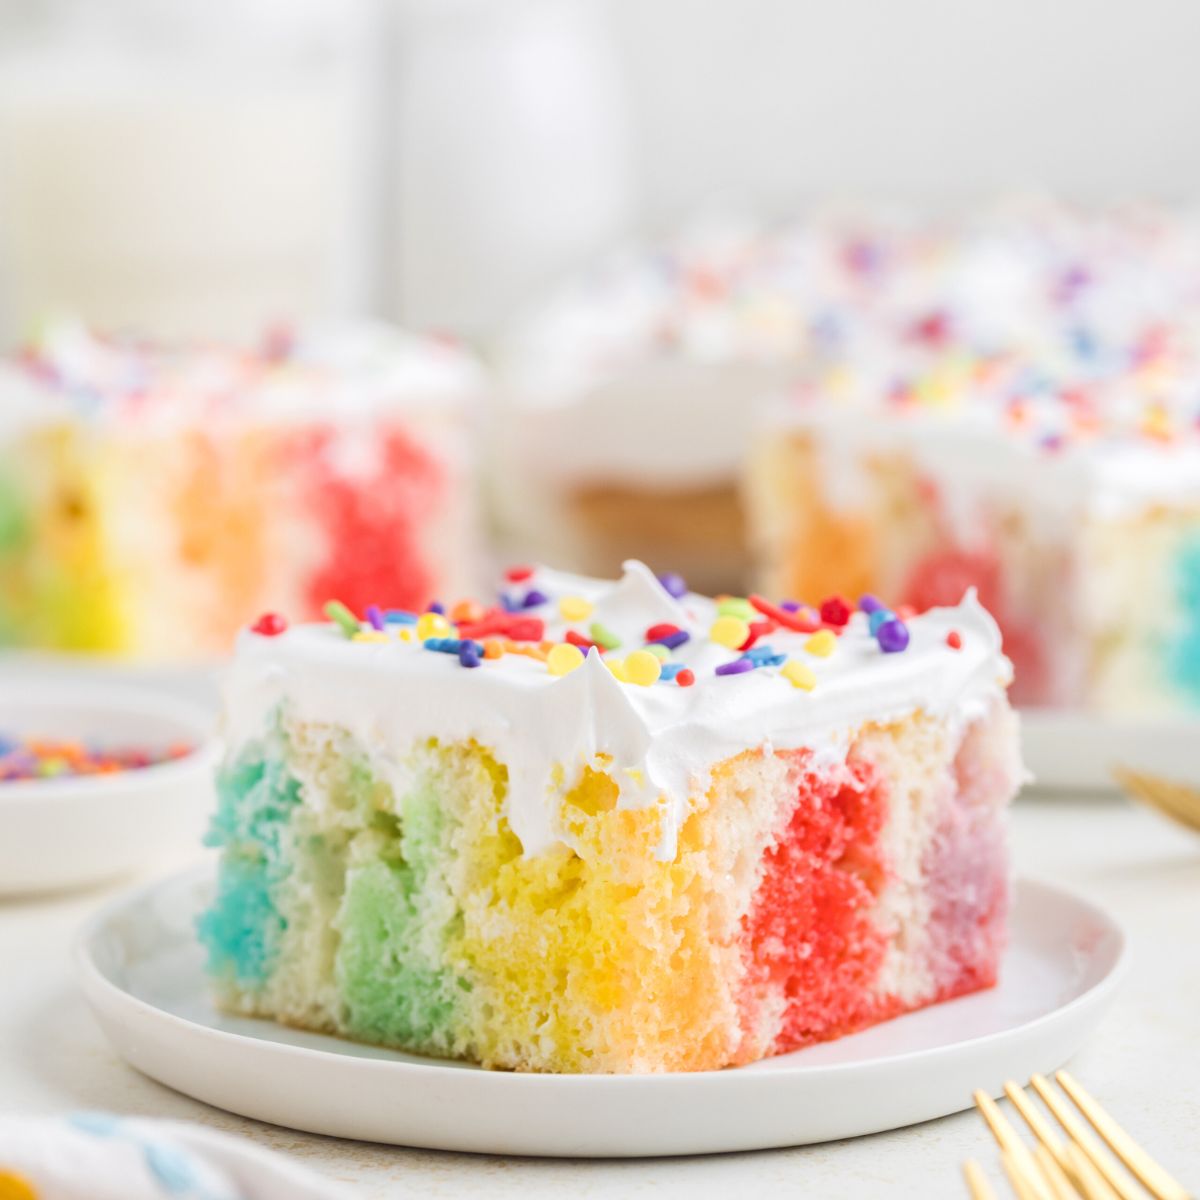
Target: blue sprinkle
(669, 671)
(468, 654)
(776, 660)
(401, 616)
(672, 641)
(759, 653)
(878, 617)
(452, 645)
(533, 598)
(437, 607)
(509, 604)
(374, 615)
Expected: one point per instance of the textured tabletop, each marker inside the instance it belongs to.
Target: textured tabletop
(1143, 1062)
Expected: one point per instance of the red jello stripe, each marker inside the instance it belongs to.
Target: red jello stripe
(809, 934)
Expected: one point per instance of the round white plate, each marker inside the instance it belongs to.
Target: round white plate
(1076, 751)
(72, 831)
(141, 970)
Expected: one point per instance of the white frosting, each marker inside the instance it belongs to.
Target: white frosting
(662, 740)
(649, 369)
(341, 372)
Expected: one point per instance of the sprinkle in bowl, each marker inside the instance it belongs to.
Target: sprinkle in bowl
(97, 780)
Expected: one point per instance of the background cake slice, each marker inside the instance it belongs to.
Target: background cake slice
(150, 495)
(612, 827)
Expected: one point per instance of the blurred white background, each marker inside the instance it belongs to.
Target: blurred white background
(192, 167)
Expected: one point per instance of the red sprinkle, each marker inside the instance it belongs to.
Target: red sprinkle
(954, 640)
(518, 574)
(497, 622)
(665, 629)
(577, 639)
(801, 621)
(526, 629)
(835, 611)
(757, 629)
(685, 678)
(269, 625)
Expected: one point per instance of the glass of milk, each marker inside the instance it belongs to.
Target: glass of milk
(184, 168)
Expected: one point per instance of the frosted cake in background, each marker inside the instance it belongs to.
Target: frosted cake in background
(1034, 436)
(152, 495)
(624, 395)
(611, 827)
(630, 395)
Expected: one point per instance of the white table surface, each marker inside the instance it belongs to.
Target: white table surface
(1144, 1061)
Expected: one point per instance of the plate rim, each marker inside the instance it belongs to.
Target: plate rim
(92, 980)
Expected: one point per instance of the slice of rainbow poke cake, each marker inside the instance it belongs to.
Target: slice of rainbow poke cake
(612, 826)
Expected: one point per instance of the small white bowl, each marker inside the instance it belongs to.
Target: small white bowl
(74, 830)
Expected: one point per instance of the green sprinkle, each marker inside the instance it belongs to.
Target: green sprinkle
(337, 612)
(603, 636)
(735, 606)
(659, 652)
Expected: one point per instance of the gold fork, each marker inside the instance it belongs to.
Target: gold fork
(1175, 800)
(1080, 1165)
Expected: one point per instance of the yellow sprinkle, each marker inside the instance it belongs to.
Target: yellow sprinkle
(729, 631)
(432, 625)
(370, 635)
(798, 675)
(564, 658)
(822, 643)
(642, 668)
(407, 633)
(574, 608)
(617, 667)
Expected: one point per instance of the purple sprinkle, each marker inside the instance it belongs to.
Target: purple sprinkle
(468, 654)
(533, 598)
(868, 603)
(672, 641)
(509, 604)
(437, 607)
(737, 667)
(892, 636)
(790, 605)
(673, 584)
(374, 615)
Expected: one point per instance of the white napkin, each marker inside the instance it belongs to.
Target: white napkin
(96, 1156)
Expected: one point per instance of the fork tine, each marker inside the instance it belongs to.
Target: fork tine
(977, 1183)
(1092, 1185)
(1158, 1182)
(1056, 1174)
(1115, 1179)
(1038, 1125)
(1011, 1145)
(1169, 799)
(1022, 1177)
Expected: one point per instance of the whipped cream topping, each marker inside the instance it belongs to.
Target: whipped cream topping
(660, 741)
(339, 372)
(1059, 324)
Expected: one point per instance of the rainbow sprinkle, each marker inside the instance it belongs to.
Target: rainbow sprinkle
(477, 634)
(25, 758)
